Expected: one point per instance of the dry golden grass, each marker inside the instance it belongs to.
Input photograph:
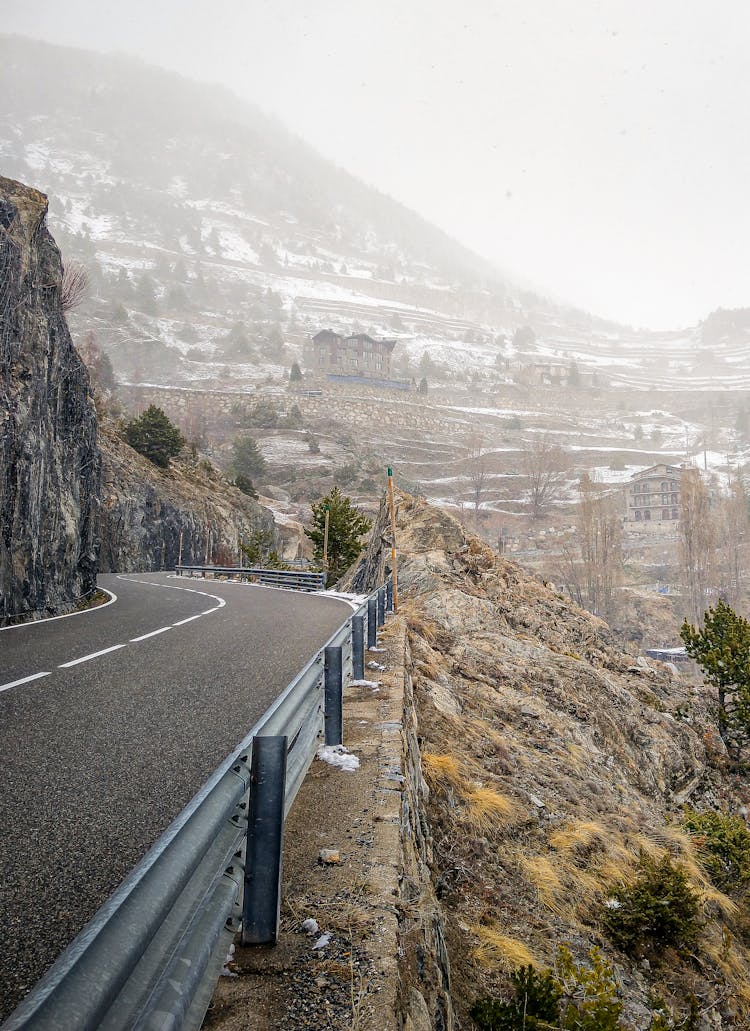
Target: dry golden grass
(712, 896)
(539, 871)
(500, 950)
(613, 869)
(427, 630)
(649, 845)
(579, 834)
(488, 809)
(578, 756)
(587, 888)
(442, 771)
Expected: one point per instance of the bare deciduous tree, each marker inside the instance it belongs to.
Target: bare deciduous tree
(544, 465)
(477, 471)
(75, 282)
(697, 542)
(592, 568)
(731, 522)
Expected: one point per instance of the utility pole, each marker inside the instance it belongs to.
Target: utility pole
(393, 539)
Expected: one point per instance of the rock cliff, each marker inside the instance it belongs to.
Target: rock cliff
(144, 508)
(49, 463)
(555, 763)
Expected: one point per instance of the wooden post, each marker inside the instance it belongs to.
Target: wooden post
(393, 539)
(325, 536)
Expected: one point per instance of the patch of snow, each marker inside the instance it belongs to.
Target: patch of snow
(337, 755)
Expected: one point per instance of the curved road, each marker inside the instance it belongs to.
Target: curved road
(110, 721)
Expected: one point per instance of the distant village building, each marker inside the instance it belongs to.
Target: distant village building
(653, 495)
(359, 355)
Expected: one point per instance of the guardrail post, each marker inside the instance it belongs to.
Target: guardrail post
(358, 647)
(334, 716)
(389, 596)
(265, 829)
(381, 606)
(372, 621)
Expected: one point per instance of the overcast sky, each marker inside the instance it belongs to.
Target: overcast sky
(600, 150)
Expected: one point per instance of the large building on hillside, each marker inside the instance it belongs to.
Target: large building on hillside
(358, 355)
(653, 495)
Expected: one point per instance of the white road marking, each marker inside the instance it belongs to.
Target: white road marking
(23, 680)
(143, 637)
(190, 619)
(93, 655)
(65, 615)
(171, 587)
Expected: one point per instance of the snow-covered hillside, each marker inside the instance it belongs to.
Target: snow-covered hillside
(216, 243)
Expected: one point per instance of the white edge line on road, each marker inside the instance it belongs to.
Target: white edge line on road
(153, 633)
(93, 655)
(23, 680)
(65, 615)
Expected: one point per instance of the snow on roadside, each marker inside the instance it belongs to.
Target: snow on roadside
(337, 755)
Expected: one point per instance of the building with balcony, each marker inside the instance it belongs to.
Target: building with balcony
(359, 355)
(653, 495)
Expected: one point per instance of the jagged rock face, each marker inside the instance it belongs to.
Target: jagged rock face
(144, 509)
(49, 464)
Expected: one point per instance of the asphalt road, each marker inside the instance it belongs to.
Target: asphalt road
(110, 721)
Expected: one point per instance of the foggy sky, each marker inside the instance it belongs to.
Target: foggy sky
(598, 150)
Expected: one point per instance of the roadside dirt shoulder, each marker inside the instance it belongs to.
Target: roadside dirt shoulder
(350, 979)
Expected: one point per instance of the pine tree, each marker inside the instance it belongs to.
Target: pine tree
(154, 436)
(295, 373)
(722, 650)
(346, 525)
(247, 461)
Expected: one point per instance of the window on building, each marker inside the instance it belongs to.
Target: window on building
(673, 499)
(665, 513)
(675, 514)
(647, 514)
(638, 515)
(664, 485)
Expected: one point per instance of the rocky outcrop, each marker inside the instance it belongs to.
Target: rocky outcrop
(49, 464)
(144, 509)
(554, 762)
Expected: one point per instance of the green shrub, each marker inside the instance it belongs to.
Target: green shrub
(571, 997)
(659, 909)
(590, 1001)
(724, 843)
(154, 436)
(245, 484)
(536, 1004)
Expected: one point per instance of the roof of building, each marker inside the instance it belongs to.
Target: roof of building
(328, 336)
(653, 468)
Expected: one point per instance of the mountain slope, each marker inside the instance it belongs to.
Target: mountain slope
(189, 205)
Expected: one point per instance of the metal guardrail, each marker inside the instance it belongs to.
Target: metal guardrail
(151, 957)
(294, 578)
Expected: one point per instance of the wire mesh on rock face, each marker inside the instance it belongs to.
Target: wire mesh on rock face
(9, 256)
